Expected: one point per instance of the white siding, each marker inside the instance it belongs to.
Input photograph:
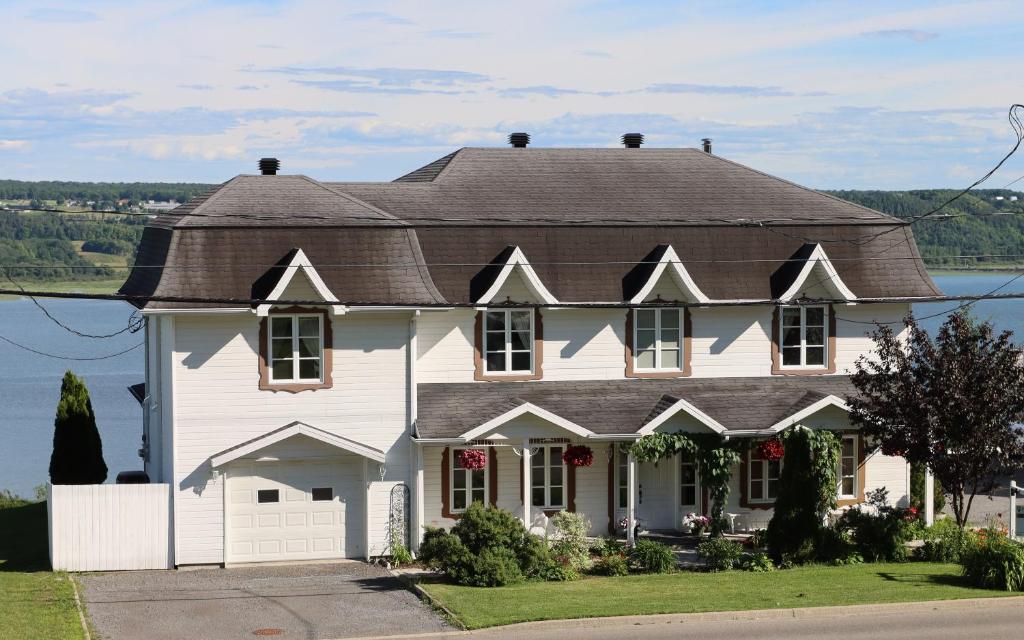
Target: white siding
(109, 527)
(589, 344)
(218, 404)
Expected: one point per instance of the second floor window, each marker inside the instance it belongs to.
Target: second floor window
(508, 341)
(296, 348)
(803, 337)
(657, 339)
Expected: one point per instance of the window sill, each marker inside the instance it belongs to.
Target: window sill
(803, 371)
(659, 373)
(513, 376)
(293, 387)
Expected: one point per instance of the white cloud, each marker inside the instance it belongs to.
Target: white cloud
(12, 145)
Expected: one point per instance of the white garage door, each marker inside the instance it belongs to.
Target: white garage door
(295, 510)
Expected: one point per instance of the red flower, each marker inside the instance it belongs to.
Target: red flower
(771, 449)
(472, 459)
(578, 455)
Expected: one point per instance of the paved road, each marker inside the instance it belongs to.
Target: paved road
(993, 619)
(303, 601)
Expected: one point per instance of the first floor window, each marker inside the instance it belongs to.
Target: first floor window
(657, 339)
(762, 478)
(848, 468)
(687, 480)
(548, 477)
(468, 485)
(803, 336)
(296, 348)
(508, 341)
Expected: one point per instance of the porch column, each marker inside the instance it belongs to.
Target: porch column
(631, 499)
(929, 497)
(417, 506)
(527, 483)
(366, 510)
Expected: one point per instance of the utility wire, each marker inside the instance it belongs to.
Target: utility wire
(133, 325)
(62, 357)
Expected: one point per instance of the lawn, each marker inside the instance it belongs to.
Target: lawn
(34, 601)
(690, 592)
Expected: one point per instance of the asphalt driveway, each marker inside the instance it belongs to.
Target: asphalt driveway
(313, 601)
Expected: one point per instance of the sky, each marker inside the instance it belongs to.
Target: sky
(858, 95)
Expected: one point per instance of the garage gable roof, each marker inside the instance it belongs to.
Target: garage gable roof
(291, 430)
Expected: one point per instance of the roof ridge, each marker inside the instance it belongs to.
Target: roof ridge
(351, 198)
(211, 195)
(443, 162)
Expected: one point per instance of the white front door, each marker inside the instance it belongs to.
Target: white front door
(294, 509)
(656, 508)
(687, 487)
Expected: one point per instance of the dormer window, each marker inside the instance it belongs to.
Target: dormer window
(508, 341)
(803, 336)
(295, 350)
(658, 340)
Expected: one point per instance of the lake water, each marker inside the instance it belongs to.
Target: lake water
(30, 384)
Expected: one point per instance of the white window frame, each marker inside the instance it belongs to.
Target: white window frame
(658, 331)
(452, 470)
(689, 459)
(839, 472)
(295, 358)
(803, 337)
(546, 449)
(765, 466)
(508, 351)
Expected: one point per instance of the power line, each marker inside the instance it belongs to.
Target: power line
(133, 324)
(62, 357)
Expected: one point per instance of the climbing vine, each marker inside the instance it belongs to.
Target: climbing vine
(715, 457)
(825, 450)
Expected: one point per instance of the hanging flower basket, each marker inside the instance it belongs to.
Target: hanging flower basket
(578, 455)
(474, 459)
(771, 449)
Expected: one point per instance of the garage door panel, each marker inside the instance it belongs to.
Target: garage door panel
(289, 524)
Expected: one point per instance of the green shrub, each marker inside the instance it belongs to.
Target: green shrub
(917, 478)
(994, 562)
(556, 571)
(487, 547)
(651, 557)
(795, 521)
(944, 541)
(757, 562)
(612, 547)
(400, 555)
(758, 538)
(611, 565)
(834, 546)
(571, 539)
(879, 531)
(9, 500)
(720, 554)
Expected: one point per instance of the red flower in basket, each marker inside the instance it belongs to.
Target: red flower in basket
(578, 455)
(472, 459)
(771, 449)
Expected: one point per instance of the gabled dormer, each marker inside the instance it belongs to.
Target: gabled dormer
(292, 278)
(509, 278)
(661, 275)
(809, 273)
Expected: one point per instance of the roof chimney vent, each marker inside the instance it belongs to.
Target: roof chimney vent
(269, 166)
(519, 140)
(706, 143)
(632, 140)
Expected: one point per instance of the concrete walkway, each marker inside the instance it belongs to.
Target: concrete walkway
(310, 601)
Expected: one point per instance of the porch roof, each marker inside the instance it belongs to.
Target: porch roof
(624, 407)
(292, 430)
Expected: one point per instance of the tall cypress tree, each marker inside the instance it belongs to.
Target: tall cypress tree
(796, 522)
(77, 451)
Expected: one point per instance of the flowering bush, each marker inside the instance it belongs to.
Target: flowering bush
(994, 561)
(697, 523)
(472, 459)
(578, 455)
(771, 449)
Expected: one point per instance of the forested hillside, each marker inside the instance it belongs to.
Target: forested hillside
(987, 224)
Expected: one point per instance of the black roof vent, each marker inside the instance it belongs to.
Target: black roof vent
(632, 140)
(269, 166)
(706, 143)
(519, 139)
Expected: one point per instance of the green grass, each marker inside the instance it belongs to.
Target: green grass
(690, 592)
(35, 603)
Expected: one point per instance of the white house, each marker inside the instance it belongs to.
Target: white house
(319, 354)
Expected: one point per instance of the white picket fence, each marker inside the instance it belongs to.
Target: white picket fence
(109, 527)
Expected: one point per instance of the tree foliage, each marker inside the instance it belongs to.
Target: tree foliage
(77, 450)
(950, 403)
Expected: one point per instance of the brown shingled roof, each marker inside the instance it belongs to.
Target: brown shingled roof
(447, 410)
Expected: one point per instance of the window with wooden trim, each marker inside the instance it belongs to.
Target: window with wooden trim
(847, 473)
(658, 340)
(467, 485)
(803, 337)
(762, 477)
(508, 341)
(548, 475)
(687, 480)
(296, 348)
(623, 472)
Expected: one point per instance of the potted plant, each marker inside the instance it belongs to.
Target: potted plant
(696, 524)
